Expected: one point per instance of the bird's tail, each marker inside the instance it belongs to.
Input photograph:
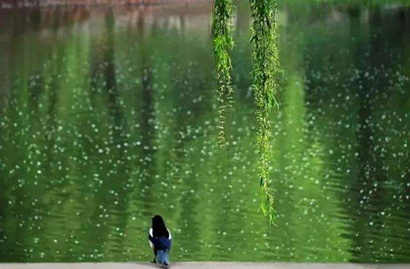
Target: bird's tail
(162, 257)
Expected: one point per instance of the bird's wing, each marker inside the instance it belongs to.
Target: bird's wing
(150, 232)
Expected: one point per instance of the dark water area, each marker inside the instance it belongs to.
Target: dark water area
(108, 116)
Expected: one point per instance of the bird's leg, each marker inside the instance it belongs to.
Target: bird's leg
(155, 256)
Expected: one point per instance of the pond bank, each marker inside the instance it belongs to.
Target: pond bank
(203, 265)
(36, 3)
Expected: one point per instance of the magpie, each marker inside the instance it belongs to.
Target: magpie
(160, 240)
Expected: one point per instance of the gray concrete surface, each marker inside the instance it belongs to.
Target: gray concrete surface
(202, 265)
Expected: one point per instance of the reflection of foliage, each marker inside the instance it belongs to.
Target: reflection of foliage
(265, 68)
(222, 29)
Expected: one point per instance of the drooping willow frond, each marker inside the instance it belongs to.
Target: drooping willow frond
(222, 33)
(265, 56)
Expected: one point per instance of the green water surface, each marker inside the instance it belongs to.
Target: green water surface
(108, 116)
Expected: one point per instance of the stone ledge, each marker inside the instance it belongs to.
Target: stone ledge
(202, 265)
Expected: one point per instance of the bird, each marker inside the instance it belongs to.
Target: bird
(160, 240)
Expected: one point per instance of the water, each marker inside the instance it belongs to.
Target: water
(108, 117)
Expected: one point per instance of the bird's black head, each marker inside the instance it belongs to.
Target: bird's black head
(158, 227)
(157, 221)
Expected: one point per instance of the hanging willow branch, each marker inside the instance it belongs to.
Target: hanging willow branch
(265, 58)
(222, 33)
